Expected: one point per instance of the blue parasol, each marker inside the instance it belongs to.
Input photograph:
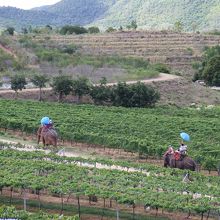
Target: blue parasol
(45, 121)
(185, 136)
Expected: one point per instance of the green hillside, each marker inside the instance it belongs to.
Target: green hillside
(150, 14)
(162, 14)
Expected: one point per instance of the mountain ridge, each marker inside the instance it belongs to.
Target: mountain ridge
(199, 15)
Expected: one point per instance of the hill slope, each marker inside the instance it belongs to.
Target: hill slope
(80, 12)
(160, 14)
(151, 14)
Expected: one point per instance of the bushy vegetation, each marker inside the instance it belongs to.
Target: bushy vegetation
(68, 29)
(122, 94)
(209, 69)
(9, 212)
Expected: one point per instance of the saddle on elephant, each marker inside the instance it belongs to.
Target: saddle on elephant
(177, 155)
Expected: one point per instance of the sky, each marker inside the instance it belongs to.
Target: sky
(27, 4)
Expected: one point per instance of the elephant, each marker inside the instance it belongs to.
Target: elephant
(47, 135)
(184, 163)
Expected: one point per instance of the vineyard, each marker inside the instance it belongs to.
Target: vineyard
(146, 131)
(150, 186)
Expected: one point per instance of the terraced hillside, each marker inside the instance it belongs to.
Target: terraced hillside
(175, 49)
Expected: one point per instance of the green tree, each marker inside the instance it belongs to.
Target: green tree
(101, 94)
(143, 95)
(69, 29)
(40, 80)
(110, 29)
(93, 30)
(178, 26)
(81, 86)
(24, 30)
(62, 85)
(202, 67)
(211, 72)
(136, 95)
(18, 82)
(134, 24)
(10, 30)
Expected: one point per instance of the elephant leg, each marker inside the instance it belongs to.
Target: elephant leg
(38, 139)
(44, 143)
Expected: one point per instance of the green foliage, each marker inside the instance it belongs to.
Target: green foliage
(101, 94)
(81, 86)
(208, 69)
(68, 29)
(161, 67)
(93, 30)
(39, 80)
(135, 95)
(122, 127)
(62, 85)
(178, 26)
(18, 82)
(10, 212)
(133, 25)
(110, 29)
(154, 186)
(10, 30)
(156, 14)
(211, 72)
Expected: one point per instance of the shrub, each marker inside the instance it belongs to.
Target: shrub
(211, 72)
(93, 30)
(110, 29)
(68, 29)
(161, 67)
(136, 95)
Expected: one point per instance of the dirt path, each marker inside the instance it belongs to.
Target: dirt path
(161, 77)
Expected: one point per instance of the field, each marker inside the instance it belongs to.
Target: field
(116, 170)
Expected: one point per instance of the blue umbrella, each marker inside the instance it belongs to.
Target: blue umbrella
(185, 136)
(45, 121)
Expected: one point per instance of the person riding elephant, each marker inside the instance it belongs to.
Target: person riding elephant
(47, 133)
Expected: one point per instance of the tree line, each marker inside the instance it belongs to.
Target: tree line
(120, 94)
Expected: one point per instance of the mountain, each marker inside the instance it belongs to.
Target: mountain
(162, 14)
(19, 17)
(149, 14)
(81, 12)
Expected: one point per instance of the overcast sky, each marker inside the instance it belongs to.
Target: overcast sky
(27, 4)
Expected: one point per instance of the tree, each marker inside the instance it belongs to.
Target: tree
(62, 85)
(24, 30)
(18, 82)
(10, 30)
(121, 94)
(110, 29)
(81, 86)
(200, 67)
(69, 29)
(93, 30)
(211, 72)
(178, 26)
(134, 24)
(101, 94)
(40, 81)
(136, 95)
(143, 95)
